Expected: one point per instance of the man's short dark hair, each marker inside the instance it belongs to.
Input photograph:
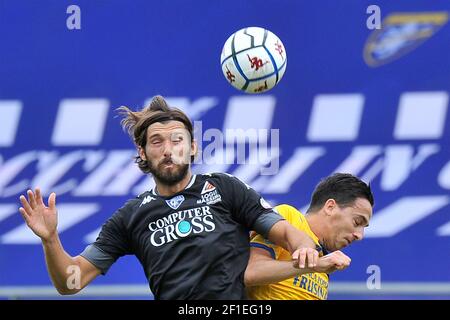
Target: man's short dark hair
(344, 188)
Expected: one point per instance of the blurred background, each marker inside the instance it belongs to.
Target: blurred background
(373, 102)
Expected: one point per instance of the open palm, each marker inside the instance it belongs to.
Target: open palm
(42, 220)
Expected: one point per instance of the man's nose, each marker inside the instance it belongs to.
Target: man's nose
(358, 235)
(167, 151)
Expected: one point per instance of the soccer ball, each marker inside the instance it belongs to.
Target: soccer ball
(253, 60)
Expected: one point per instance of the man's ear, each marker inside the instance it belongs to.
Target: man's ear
(194, 148)
(142, 153)
(329, 206)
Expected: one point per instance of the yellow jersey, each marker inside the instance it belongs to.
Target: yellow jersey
(311, 286)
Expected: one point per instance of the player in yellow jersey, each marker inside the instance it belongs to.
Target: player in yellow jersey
(340, 209)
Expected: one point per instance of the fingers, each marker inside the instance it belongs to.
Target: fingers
(24, 214)
(31, 199)
(295, 258)
(35, 199)
(303, 255)
(52, 201)
(39, 197)
(26, 205)
(332, 262)
(302, 258)
(313, 257)
(342, 261)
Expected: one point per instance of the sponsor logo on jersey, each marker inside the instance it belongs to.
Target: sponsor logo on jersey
(181, 224)
(210, 197)
(208, 187)
(175, 202)
(400, 34)
(315, 284)
(146, 200)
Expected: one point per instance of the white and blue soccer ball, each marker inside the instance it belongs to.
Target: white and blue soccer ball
(253, 60)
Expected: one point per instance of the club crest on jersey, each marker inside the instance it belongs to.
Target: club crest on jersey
(400, 34)
(208, 187)
(175, 202)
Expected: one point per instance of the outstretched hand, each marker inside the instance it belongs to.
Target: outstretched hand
(42, 220)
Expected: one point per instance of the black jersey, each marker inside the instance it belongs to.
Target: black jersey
(193, 244)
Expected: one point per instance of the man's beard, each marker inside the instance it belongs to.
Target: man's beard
(168, 177)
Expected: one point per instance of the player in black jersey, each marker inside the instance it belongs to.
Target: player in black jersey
(190, 232)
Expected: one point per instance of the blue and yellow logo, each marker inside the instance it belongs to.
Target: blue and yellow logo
(400, 34)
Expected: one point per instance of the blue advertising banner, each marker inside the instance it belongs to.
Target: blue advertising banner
(356, 97)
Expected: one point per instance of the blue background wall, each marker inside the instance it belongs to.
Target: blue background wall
(128, 51)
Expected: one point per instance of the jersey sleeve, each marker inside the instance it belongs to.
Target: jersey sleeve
(112, 242)
(247, 206)
(259, 241)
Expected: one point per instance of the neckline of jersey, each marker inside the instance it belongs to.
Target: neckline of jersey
(191, 182)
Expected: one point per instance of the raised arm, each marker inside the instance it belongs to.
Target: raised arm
(43, 220)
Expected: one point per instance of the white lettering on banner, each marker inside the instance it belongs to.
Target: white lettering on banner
(444, 230)
(241, 113)
(113, 163)
(420, 116)
(255, 164)
(335, 117)
(396, 164)
(302, 159)
(10, 111)
(444, 176)
(80, 122)
(92, 236)
(403, 213)
(124, 180)
(69, 214)
(146, 184)
(399, 163)
(49, 175)
(359, 158)
(374, 170)
(7, 210)
(9, 169)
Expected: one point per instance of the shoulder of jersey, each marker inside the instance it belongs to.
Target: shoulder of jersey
(143, 195)
(218, 174)
(288, 210)
(144, 198)
(226, 177)
(286, 207)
